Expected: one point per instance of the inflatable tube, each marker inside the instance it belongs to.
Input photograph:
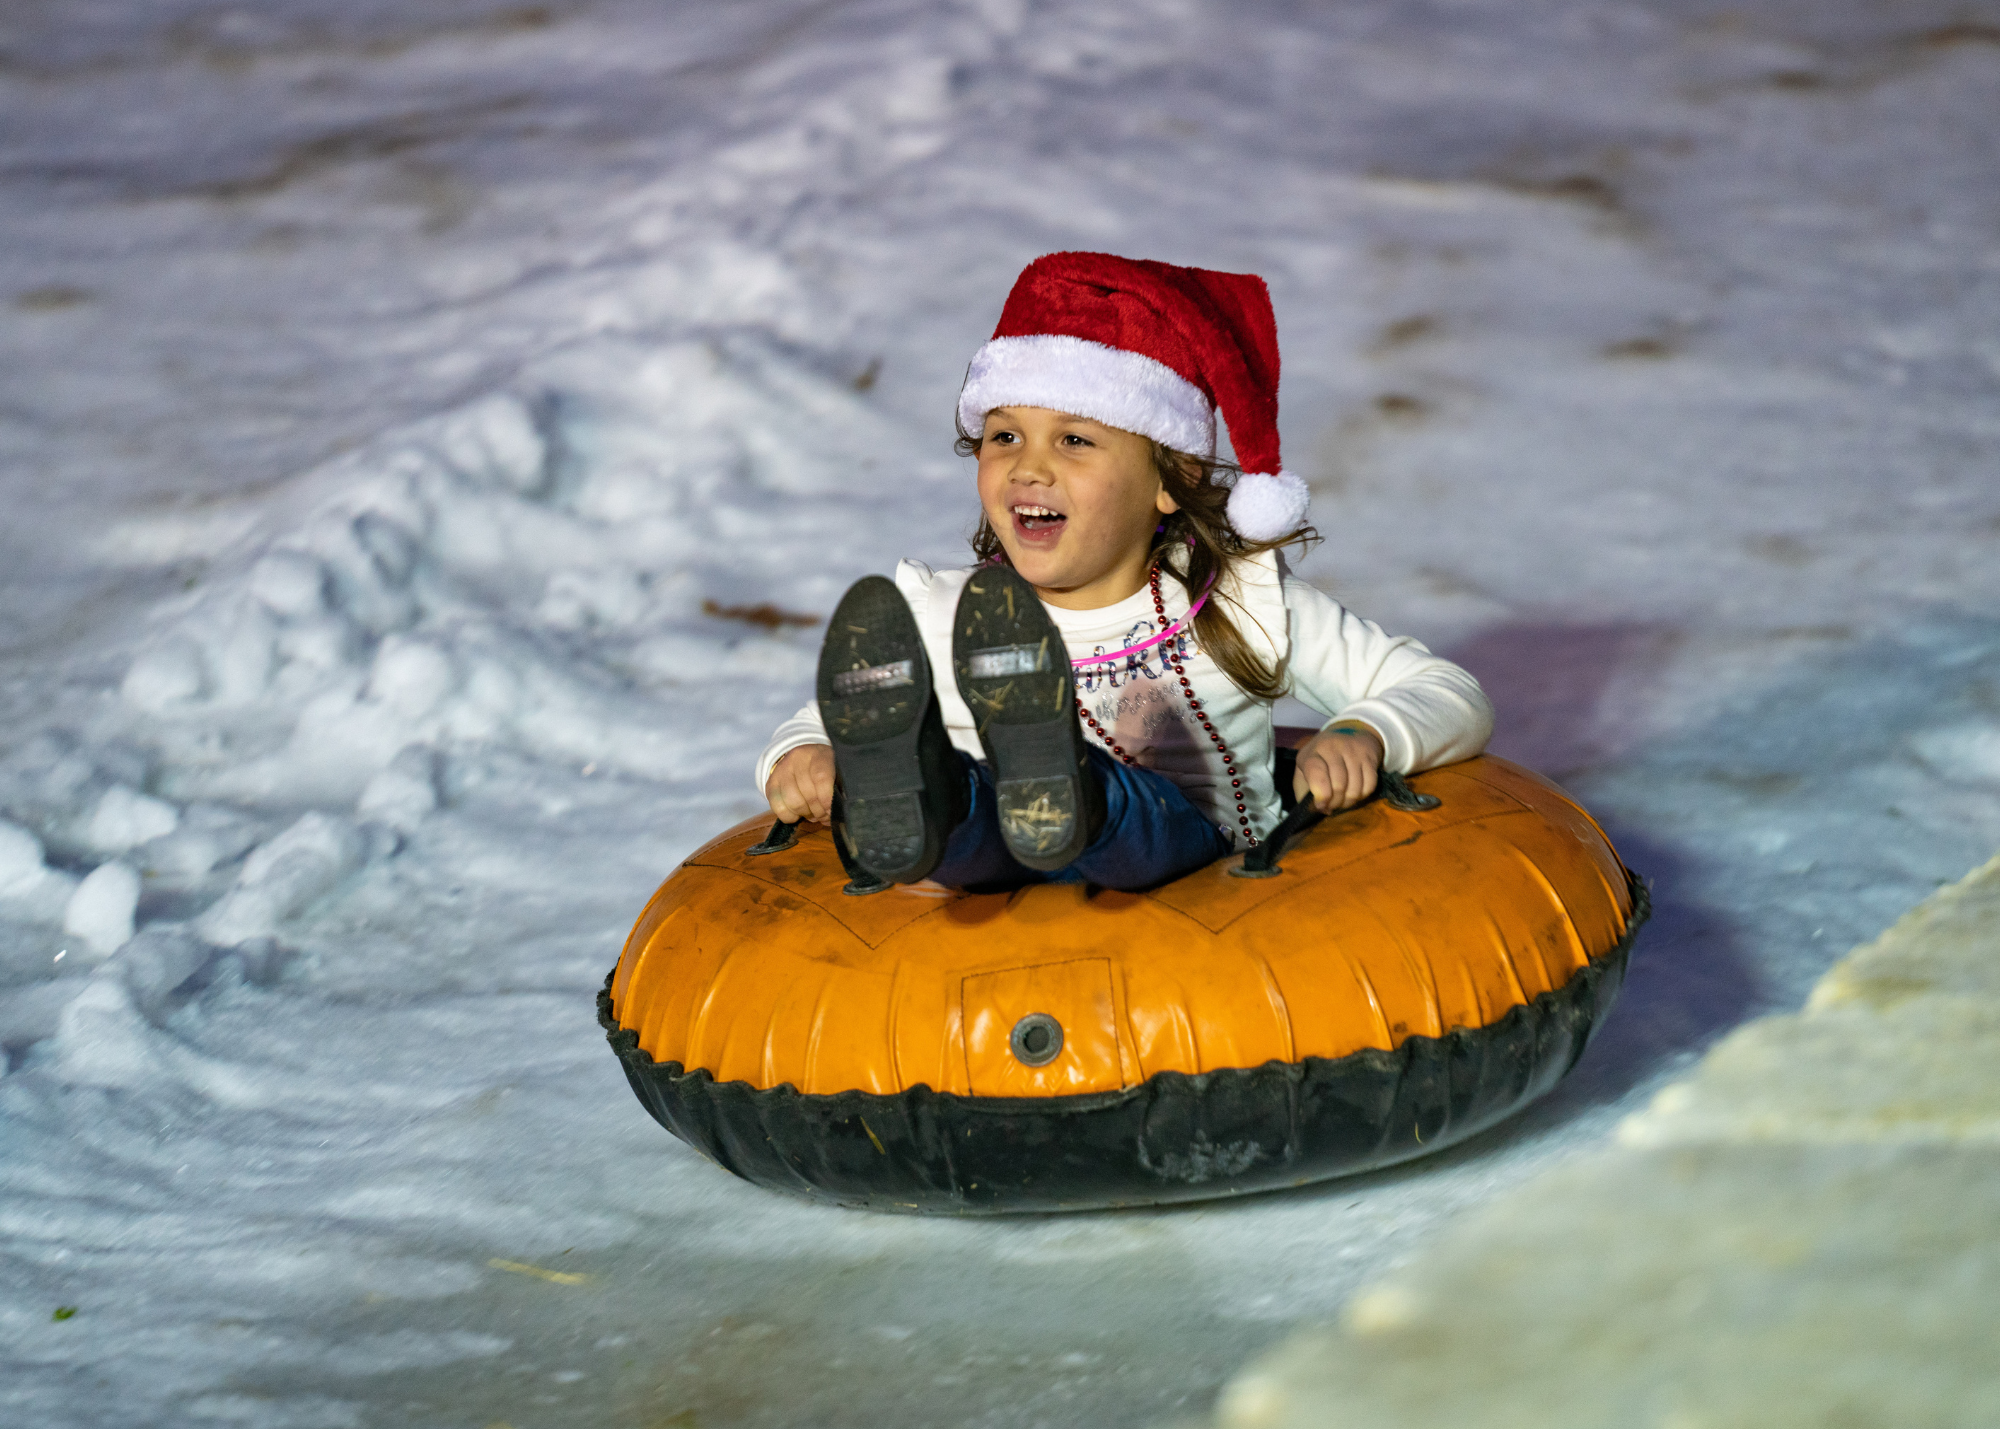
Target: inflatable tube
(1403, 980)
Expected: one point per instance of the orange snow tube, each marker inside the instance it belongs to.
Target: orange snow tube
(1402, 980)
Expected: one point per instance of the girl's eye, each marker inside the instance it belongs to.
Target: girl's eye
(1071, 439)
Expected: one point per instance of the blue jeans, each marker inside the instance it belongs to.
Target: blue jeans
(1152, 834)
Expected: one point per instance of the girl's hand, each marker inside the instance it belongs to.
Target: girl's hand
(801, 784)
(1338, 767)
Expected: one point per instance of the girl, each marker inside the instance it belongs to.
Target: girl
(1114, 657)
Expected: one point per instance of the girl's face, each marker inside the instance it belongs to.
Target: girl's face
(1074, 502)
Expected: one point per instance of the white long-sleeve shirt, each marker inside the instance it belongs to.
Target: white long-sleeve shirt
(1427, 710)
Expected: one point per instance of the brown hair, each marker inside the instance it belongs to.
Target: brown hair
(1201, 529)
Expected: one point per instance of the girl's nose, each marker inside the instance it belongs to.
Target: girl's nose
(1036, 464)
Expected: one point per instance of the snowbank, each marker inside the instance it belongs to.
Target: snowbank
(1800, 1233)
(527, 576)
(527, 572)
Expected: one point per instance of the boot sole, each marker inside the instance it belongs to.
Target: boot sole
(1014, 672)
(889, 746)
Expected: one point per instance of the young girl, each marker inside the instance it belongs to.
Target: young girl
(1113, 659)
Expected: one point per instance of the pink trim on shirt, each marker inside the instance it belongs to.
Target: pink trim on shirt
(1169, 633)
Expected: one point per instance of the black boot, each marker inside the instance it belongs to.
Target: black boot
(903, 788)
(1014, 672)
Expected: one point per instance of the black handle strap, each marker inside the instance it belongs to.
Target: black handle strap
(1395, 791)
(1262, 861)
(781, 837)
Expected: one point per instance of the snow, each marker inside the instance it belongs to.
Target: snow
(401, 398)
(21, 868)
(102, 909)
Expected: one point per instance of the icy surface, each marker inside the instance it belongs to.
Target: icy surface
(421, 418)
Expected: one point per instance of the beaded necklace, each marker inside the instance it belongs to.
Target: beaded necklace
(1173, 660)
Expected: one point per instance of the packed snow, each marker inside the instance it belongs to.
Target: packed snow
(432, 431)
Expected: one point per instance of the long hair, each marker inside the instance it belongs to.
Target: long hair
(1200, 531)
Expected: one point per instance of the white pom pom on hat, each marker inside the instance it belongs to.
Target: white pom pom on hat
(1149, 348)
(1265, 506)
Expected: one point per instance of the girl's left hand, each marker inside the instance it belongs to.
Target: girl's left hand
(1339, 767)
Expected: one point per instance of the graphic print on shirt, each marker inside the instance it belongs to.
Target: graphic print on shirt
(1138, 699)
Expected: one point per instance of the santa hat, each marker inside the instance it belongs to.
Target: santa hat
(1148, 348)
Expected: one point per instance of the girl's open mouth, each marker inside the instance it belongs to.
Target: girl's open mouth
(1038, 525)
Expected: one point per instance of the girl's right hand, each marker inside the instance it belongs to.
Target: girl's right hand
(801, 784)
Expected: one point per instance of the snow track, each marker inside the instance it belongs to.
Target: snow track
(430, 431)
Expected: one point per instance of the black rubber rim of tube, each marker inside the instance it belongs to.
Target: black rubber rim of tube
(1175, 1137)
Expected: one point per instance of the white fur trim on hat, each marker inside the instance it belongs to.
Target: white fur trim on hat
(1264, 507)
(1121, 389)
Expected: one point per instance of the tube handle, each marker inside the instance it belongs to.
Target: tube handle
(1262, 861)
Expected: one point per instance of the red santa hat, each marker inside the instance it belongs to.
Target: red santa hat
(1149, 348)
